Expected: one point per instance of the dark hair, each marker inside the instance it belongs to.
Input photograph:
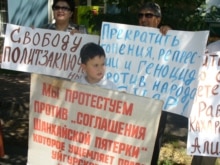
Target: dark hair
(153, 7)
(71, 4)
(89, 51)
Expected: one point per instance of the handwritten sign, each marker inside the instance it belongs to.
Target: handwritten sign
(204, 120)
(144, 62)
(71, 123)
(43, 51)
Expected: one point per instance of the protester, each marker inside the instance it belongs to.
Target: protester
(150, 16)
(213, 47)
(63, 11)
(93, 64)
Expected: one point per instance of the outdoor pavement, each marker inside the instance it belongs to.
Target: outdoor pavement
(14, 111)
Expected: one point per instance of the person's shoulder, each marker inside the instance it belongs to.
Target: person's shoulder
(80, 28)
(109, 84)
(81, 80)
(48, 26)
(214, 43)
(73, 25)
(214, 46)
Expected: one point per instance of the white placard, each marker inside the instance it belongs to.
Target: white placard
(44, 51)
(72, 123)
(142, 61)
(204, 120)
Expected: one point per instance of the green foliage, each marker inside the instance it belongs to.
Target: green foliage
(96, 21)
(166, 162)
(188, 15)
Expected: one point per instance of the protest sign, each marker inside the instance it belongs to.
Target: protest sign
(71, 123)
(44, 51)
(142, 61)
(204, 120)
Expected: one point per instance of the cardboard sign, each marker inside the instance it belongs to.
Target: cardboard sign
(72, 123)
(43, 51)
(204, 120)
(142, 61)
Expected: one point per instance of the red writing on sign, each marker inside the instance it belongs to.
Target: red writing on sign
(199, 125)
(49, 142)
(45, 40)
(39, 49)
(93, 155)
(117, 147)
(211, 60)
(70, 159)
(208, 147)
(209, 110)
(50, 91)
(50, 110)
(127, 162)
(113, 126)
(99, 102)
(62, 131)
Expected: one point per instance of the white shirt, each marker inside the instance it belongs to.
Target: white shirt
(214, 47)
(103, 83)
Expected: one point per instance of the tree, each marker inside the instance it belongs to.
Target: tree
(188, 15)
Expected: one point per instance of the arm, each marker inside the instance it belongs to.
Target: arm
(164, 29)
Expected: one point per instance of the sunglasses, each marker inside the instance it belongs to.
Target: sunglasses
(63, 8)
(146, 15)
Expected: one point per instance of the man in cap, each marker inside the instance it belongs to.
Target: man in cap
(150, 16)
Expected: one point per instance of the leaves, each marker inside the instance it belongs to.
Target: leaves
(188, 15)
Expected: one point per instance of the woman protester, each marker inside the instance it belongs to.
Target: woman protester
(63, 11)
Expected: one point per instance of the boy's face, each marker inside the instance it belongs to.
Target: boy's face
(94, 69)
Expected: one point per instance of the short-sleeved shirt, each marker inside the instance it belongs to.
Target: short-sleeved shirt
(103, 83)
